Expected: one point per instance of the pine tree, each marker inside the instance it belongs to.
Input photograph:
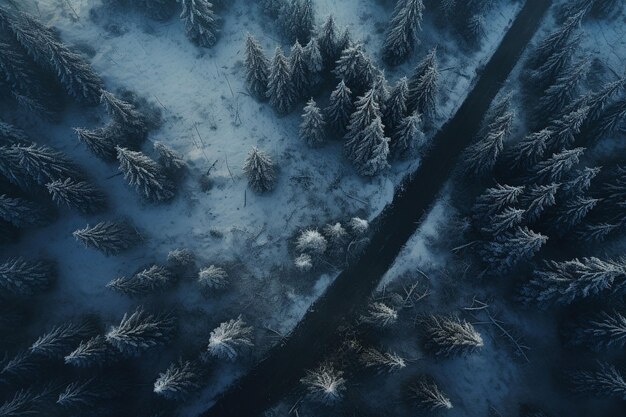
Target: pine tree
(481, 157)
(27, 402)
(22, 278)
(408, 135)
(555, 167)
(565, 282)
(355, 68)
(494, 200)
(141, 331)
(344, 41)
(402, 32)
(605, 381)
(44, 164)
(74, 73)
(564, 130)
(85, 394)
(575, 7)
(548, 72)
(503, 221)
(556, 41)
(178, 381)
(169, 159)
(612, 120)
(423, 94)
(380, 315)
(300, 77)
(339, 109)
(92, 352)
(311, 241)
(109, 237)
(372, 152)
(145, 175)
(229, 338)
(536, 199)
(201, 23)
(511, 248)
(152, 279)
(428, 396)
(312, 126)
(367, 110)
(101, 141)
(302, 20)
(22, 213)
(598, 101)
(125, 116)
(449, 336)
(415, 81)
(498, 109)
(77, 194)
(314, 61)
(257, 68)
(20, 367)
(596, 232)
(581, 182)
(213, 278)
(260, 170)
(280, 89)
(563, 91)
(327, 41)
(382, 361)
(303, 262)
(10, 135)
(530, 150)
(60, 340)
(573, 212)
(325, 384)
(604, 330)
(395, 109)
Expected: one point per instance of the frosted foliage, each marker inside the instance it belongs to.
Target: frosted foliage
(574, 211)
(429, 397)
(124, 114)
(511, 248)
(169, 158)
(260, 170)
(380, 315)
(299, 70)
(313, 57)
(11, 169)
(312, 126)
(44, 164)
(408, 136)
(181, 257)
(229, 338)
(556, 40)
(368, 149)
(382, 361)
(200, 22)
(19, 277)
(327, 41)
(83, 393)
(60, 340)
(152, 279)
(568, 281)
(109, 237)
(581, 182)
(145, 175)
(395, 108)
(554, 168)
(257, 68)
(605, 330)
(26, 402)
(564, 90)
(11, 134)
(178, 381)
(90, 353)
(141, 331)
(494, 199)
(325, 384)
(340, 107)
(280, 88)
(423, 90)
(213, 278)
(367, 110)
(565, 129)
(402, 32)
(358, 226)
(20, 212)
(448, 336)
(503, 221)
(100, 141)
(311, 241)
(531, 149)
(80, 195)
(355, 68)
(335, 233)
(22, 365)
(303, 262)
(606, 381)
(537, 199)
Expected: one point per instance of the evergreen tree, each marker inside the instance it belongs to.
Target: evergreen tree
(344, 41)
(339, 109)
(314, 62)
(44, 164)
(169, 159)
(27, 402)
(423, 94)
(475, 28)
(21, 367)
(371, 153)
(530, 150)
(603, 331)
(10, 135)
(536, 199)
(280, 89)
(77, 194)
(556, 41)
(428, 396)
(575, 7)
(12, 169)
(260, 170)
(125, 116)
(380, 315)
(325, 384)
(573, 212)
(395, 109)
(91, 353)
(548, 72)
(201, 23)
(581, 182)
(22, 278)
(382, 361)
(178, 381)
(402, 32)
(511, 248)
(150, 280)
(449, 336)
(22, 213)
(596, 232)
(612, 120)
(498, 110)
(598, 101)
(300, 76)
(606, 381)
(327, 41)
(503, 221)
(141, 331)
(298, 19)
(257, 68)
(229, 338)
(74, 73)
(60, 340)
(366, 111)
(555, 167)
(145, 175)
(563, 91)
(86, 394)
(494, 200)
(312, 126)
(109, 237)
(213, 278)
(101, 141)
(415, 81)
(565, 282)
(355, 68)
(408, 135)
(481, 156)
(564, 130)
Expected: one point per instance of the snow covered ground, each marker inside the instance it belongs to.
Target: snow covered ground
(209, 119)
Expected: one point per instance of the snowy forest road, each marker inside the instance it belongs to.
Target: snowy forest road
(320, 329)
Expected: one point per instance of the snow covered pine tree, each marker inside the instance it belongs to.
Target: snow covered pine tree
(201, 23)
(402, 32)
(260, 170)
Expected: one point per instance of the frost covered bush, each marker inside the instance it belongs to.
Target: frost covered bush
(428, 396)
(145, 175)
(335, 233)
(181, 257)
(325, 384)
(141, 331)
(19, 277)
(303, 262)
(358, 226)
(109, 237)
(178, 381)
(213, 278)
(311, 241)
(169, 159)
(260, 170)
(382, 361)
(229, 338)
(447, 336)
(380, 315)
(152, 279)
